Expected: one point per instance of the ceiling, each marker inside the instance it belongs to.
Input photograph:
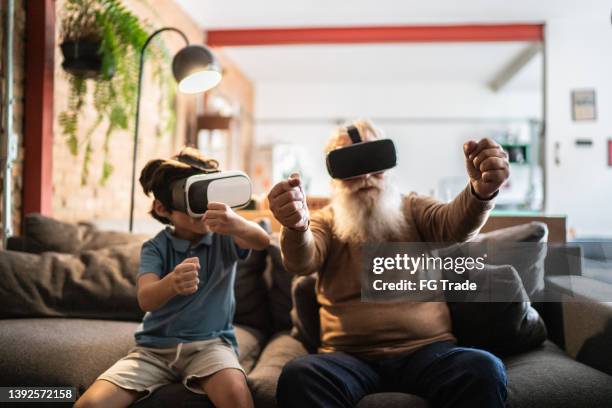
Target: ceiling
(464, 62)
(212, 14)
(471, 62)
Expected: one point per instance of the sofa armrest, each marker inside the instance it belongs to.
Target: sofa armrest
(587, 320)
(281, 349)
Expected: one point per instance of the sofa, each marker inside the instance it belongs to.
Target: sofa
(68, 311)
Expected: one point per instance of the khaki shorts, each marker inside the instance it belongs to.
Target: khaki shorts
(145, 369)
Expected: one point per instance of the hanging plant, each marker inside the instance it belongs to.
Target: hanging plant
(101, 42)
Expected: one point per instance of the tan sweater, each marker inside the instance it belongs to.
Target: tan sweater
(372, 330)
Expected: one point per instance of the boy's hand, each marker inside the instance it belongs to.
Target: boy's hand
(222, 219)
(184, 278)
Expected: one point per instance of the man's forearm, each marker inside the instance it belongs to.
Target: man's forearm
(470, 212)
(299, 251)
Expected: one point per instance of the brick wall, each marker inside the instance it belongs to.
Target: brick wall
(18, 93)
(71, 200)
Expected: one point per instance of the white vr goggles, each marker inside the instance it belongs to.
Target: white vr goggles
(191, 195)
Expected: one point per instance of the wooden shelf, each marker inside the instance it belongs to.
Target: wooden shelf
(214, 122)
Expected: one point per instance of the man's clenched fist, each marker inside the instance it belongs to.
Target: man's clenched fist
(487, 166)
(288, 204)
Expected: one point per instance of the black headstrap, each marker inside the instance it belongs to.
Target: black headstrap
(354, 134)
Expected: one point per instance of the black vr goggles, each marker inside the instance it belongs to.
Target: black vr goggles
(361, 157)
(191, 195)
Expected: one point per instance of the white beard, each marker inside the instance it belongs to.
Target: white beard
(376, 215)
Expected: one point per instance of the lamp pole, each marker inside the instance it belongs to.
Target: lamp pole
(136, 124)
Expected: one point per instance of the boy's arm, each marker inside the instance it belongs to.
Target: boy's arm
(251, 236)
(154, 292)
(247, 234)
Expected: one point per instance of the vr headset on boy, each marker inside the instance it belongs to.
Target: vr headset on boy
(192, 194)
(360, 158)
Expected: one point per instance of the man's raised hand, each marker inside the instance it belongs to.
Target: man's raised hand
(487, 166)
(288, 204)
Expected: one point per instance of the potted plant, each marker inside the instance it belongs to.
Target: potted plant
(101, 42)
(81, 39)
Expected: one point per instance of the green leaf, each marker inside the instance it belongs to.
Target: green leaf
(122, 35)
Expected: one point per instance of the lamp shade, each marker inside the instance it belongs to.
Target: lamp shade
(195, 69)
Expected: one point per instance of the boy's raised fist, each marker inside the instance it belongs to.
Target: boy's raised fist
(185, 276)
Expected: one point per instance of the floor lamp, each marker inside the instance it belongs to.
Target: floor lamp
(195, 69)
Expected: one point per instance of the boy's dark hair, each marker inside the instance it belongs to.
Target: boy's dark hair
(158, 175)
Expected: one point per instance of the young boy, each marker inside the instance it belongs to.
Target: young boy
(186, 286)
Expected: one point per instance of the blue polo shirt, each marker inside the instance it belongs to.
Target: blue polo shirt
(203, 315)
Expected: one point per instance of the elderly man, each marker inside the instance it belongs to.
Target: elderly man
(374, 347)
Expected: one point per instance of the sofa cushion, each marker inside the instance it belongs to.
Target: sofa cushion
(281, 349)
(500, 326)
(252, 308)
(533, 231)
(305, 312)
(501, 319)
(55, 352)
(47, 234)
(73, 352)
(42, 234)
(95, 284)
(280, 288)
(547, 377)
(524, 247)
(250, 343)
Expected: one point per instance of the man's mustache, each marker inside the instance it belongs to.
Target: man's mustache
(366, 183)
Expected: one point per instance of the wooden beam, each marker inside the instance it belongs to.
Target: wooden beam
(377, 34)
(38, 126)
(514, 66)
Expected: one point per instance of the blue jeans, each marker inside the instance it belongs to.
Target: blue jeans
(442, 373)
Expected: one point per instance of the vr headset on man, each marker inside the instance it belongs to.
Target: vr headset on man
(361, 158)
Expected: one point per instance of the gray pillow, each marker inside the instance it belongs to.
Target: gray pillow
(525, 248)
(280, 288)
(251, 293)
(305, 312)
(45, 234)
(503, 328)
(95, 284)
